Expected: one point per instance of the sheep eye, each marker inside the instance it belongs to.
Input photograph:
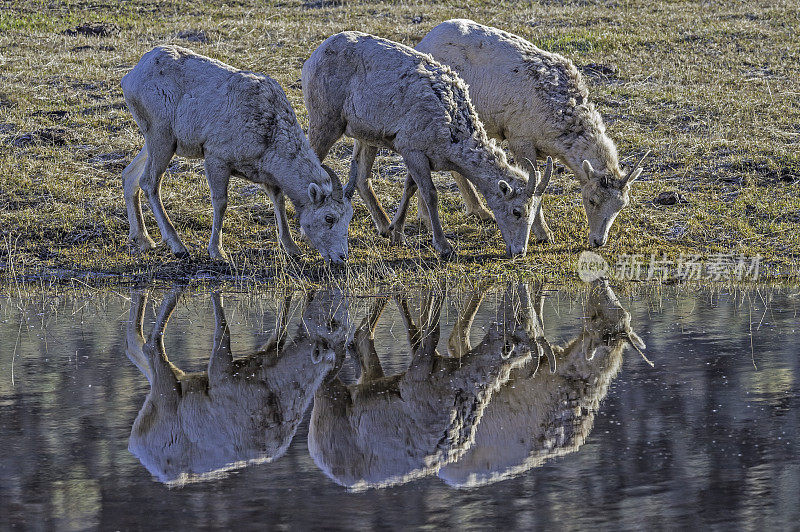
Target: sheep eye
(517, 213)
(331, 219)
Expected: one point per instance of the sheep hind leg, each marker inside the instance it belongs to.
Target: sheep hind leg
(159, 154)
(360, 170)
(397, 227)
(218, 175)
(165, 374)
(364, 343)
(473, 202)
(220, 363)
(134, 337)
(458, 344)
(419, 168)
(137, 235)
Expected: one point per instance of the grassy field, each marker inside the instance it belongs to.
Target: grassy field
(712, 88)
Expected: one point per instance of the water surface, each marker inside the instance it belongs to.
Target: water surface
(515, 406)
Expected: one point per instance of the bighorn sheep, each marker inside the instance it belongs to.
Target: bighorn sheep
(243, 125)
(537, 101)
(241, 411)
(383, 93)
(390, 430)
(537, 415)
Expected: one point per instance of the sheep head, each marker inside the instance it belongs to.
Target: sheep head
(326, 217)
(516, 204)
(605, 194)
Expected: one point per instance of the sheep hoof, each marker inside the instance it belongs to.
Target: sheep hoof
(292, 251)
(217, 254)
(142, 242)
(483, 215)
(397, 238)
(446, 253)
(546, 238)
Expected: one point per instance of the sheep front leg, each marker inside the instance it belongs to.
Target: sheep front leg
(133, 202)
(159, 154)
(218, 175)
(281, 221)
(420, 170)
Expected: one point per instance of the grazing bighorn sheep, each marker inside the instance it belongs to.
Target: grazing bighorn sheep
(390, 430)
(240, 411)
(537, 101)
(536, 415)
(383, 93)
(243, 125)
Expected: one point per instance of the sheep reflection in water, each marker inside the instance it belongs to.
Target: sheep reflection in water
(536, 415)
(387, 430)
(241, 410)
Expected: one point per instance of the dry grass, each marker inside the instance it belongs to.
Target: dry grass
(710, 88)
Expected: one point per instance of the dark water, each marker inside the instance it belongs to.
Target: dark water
(540, 414)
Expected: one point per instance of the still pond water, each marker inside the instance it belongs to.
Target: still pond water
(516, 406)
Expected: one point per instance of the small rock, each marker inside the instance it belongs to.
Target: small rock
(55, 115)
(787, 175)
(417, 19)
(322, 3)
(86, 47)
(50, 135)
(194, 36)
(598, 72)
(106, 157)
(94, 29)
(669, 198)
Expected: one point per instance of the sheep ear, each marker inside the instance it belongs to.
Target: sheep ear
(505, 188)
(587, 169)
(315, 193)
(544, 181)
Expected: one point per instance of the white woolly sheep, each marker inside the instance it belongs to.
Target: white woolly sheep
(537, 101)
(243, 125)
(386, 94)
(240, 411)
(388, 430)
(539, 415)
